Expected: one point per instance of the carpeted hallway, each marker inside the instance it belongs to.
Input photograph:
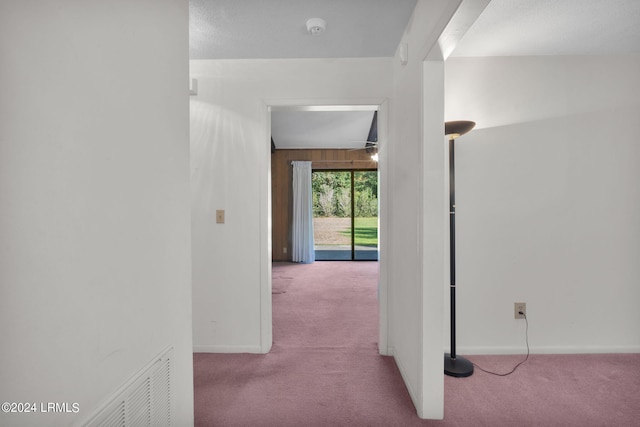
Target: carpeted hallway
(324, 370)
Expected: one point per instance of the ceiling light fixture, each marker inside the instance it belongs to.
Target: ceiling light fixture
(316, 26)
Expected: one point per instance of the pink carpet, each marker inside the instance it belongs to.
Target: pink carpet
(324, 370)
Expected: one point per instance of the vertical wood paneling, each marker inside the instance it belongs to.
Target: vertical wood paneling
(281, 182)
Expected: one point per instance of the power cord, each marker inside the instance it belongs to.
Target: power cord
(526, 334)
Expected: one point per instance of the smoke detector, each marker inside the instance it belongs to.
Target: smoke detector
(316, 26)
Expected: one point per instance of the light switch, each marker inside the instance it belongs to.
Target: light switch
(220, 216)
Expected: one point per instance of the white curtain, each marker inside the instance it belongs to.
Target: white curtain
(302, 245)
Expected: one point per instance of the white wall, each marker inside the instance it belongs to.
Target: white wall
(547, 202)
(230, 170)
(417, 222)
(94, 195)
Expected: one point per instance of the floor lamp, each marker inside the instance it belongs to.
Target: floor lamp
(454, 365)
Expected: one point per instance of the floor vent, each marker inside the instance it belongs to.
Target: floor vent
(144, 401)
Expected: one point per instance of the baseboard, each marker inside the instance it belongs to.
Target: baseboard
(412, 393)
(387, 351)
(546, 350)
(254, 349)
(390, 350)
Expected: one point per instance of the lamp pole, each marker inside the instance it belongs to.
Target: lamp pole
(454, 365)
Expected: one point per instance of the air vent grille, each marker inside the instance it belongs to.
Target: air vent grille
(144, 401)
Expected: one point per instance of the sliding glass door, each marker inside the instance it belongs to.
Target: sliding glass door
(345, 215)
(365, 215)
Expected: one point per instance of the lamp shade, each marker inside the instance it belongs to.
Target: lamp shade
(456, 128)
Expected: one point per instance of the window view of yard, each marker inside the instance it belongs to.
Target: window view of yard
(366, 231)
(332, 212)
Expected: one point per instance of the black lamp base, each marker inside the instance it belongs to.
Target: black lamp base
(458, 367)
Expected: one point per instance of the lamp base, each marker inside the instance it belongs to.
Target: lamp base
(458, 367)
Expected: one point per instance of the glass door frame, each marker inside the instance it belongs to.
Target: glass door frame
(352, 217)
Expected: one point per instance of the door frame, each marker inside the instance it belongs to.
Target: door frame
(269, 105)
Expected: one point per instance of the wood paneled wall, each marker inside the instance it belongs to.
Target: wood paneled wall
(281, 186)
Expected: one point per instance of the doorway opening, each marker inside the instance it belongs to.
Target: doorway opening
(345, 215)
(346, 152)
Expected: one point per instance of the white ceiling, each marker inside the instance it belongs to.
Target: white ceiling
(234, 29)
(320, 129)
(554, 27)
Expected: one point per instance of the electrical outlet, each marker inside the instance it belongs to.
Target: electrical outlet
(519, 307)
(220, 216)
(284, 250)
